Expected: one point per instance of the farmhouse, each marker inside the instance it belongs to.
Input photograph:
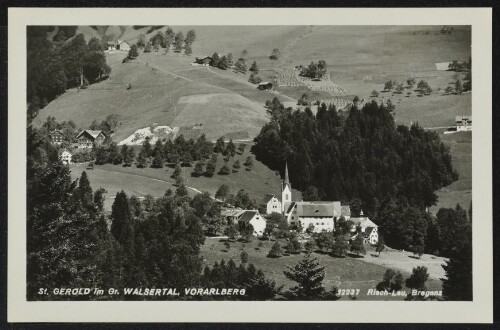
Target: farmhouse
(56, 137)
(255, 219)
(111, 45)
(269, 204)
(464, 123)
(444, 66)
(265, 85)
(231, 215)
(87, 138)
(367, 228)
(65, 156)
(205, 60)
(122, 45)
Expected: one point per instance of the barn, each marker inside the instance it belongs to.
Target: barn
(265, 85)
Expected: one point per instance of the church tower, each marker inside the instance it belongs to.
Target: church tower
(286, 191)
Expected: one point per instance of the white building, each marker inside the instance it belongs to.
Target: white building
(255, 219)
(464, 123)
(65, 156)
(367, 228)
(122, 45)
(269, 204)
(321, 214)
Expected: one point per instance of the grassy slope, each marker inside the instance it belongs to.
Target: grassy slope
(345, 273)
(460, 191)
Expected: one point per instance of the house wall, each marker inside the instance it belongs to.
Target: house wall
(259, 224)
(274, 205)
(65, 157)
(320, 223)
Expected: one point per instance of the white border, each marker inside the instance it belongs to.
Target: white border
(480, 310)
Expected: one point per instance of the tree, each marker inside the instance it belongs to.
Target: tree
(190, 37)
(133, 53)
(147, 48)
(230, 149)
(380, 245)
(310, 246)
(223, 63)
(310, 229)
(422, 85)
(242, 200)
(157, 161)
(227, 245)
(388, 85)
(254, 68)
(240, 66)
(210, 169)
(448, 90)
(254, 79)
(399, 88)
(358, 246)
(219, 145)
(293, 246)
(236, 166)
(141, 160)
(177, 171)
(458, 87)
(181, 190)
(457, 284)
(249, 163)
(391, 282)
(198, 169)
(121, 220)
(309, 276)
(222, 192)
(411, 82)
(179, 181)
(224, 170)
(231, 232)
(179, 38)
(275, 251)
(188, 50)
(374, 93)
(275, 54)
(418, 278)
(340, 246)
(244, 257)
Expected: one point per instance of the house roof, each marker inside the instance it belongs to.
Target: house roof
(345, 210)
(265, 83)
(63, 150)
(319, 209)
(364, 222)
(368, 231)
(231, 212)
(247, 215)
(92, 133)
(461, 118)
(122, 41)
(267, 198)
(289, 206)
(55, 131)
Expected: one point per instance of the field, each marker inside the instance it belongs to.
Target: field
(155, 181)
(345, 273)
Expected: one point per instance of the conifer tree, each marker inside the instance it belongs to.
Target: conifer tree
(309, 276)
(457, 283)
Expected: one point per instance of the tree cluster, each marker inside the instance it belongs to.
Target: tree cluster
(315, 70)
(52, 67)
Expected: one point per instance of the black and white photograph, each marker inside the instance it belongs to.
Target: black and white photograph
(258, 162)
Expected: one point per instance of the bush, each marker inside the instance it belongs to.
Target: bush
(275, 251)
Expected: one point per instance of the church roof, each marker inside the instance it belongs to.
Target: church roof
(287, 180)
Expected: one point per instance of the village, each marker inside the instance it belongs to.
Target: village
(270, 154)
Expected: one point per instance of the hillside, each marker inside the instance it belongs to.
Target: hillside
(168, 90)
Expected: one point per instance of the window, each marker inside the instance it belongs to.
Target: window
(286, 196)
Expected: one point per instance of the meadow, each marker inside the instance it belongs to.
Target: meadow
(344, 273)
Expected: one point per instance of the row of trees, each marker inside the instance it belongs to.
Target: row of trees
(166, 39)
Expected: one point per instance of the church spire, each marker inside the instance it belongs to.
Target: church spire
(287, 180)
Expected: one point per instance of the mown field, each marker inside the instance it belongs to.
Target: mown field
(345, 273)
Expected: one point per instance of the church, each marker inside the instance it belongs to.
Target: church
(320, 214)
